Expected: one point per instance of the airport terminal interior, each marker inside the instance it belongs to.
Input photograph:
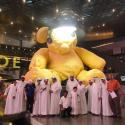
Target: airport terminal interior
(62, 62)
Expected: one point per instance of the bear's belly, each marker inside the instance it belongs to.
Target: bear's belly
(65, 65)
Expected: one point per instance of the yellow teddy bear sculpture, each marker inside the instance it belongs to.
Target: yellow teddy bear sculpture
(63, 58)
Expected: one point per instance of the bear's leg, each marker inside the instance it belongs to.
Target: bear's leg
(88, 75)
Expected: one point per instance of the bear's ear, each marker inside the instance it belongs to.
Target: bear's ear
(42, 35)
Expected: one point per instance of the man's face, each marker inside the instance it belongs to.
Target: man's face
(80, 82)
(14, 82)
(22, 78)
(110, 76)
(90, 82)
(72, 78)
(65, 94)
(54, 80)
(103, 81)
(46, 81)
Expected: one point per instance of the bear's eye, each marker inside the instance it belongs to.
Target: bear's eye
(73, 34)
(49, 40)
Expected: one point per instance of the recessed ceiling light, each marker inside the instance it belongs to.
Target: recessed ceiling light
(11, 23)
(0, 10)
(37, 28)
(103, 24)
(20, 31)
(113, 10)
(57, 10)
(89, 1)
(24, 1)
(32, 18)
(5, 33)
(83, 18)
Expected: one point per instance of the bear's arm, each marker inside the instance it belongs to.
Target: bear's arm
(39, 60)
(90, 59)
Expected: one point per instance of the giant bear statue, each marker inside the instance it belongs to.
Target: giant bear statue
(62, 58)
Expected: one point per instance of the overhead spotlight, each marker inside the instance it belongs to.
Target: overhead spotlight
(103, 24)
(11, 23)
(37, 28)
(24, 1)
(0, 10)
(83, 18)
(32, 18)
(20, 31)
(5, 33)
(89, 1)
(57, 10)
(113, 10)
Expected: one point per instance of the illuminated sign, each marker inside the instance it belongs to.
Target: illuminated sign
(5, 61)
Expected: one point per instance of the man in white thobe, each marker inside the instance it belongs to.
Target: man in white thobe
(71, 83)
(75, 101)
(82, 91)
(106, 110)
(55, 96)
(89, 88)
(10, 92)
(44, 97)
(36, 105)
(96, 97)
(20, 96)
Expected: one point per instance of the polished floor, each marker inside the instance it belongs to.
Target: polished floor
(82, 120)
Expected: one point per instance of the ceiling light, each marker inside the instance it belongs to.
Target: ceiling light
(11, 23)
(20, 31)
(89, 1)
(37, 28)
(24, 1)
(83, 18)
(32, 18)
(103, 24)
(113, 10)
(0, 10)
(57, 10)
(5, 33)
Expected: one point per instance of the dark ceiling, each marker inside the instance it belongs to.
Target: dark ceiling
(19, 18)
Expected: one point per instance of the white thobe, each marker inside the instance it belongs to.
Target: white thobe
(70, 85)
(55, 98)
(75, 103)
(106, 110)
(44, 102)
(10, 92)
(20, 97)
(36, 105)
(89, 88)
(96, 94)
(83, 104)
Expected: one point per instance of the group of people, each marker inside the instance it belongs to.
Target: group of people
(43, 98)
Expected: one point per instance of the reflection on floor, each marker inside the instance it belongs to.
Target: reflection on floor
(82, 120)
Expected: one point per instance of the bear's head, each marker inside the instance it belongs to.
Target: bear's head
(61, 39)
